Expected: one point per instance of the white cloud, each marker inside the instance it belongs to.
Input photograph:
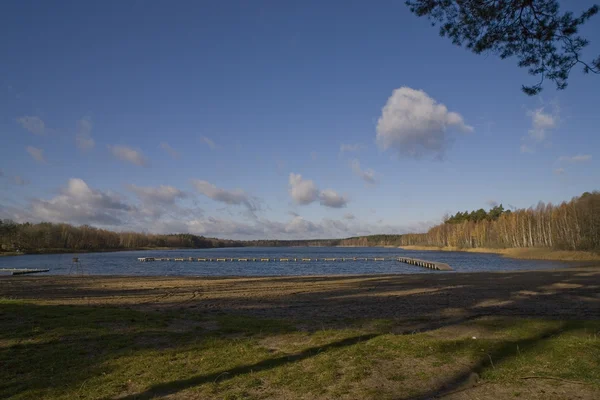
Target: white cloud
(576, 159)
(209, 142)
(159, 200)
(231, 197)
(161, 194)
(541, 122)
(128, 154)
(526, 149)
(33, 124)
(305, 191)
(346, 147)
(366, 175)
(302, 191)
(80, 204)
(414, 124)
(299, 225)
(330, 198)
(83, 137)
(296, 228)
(559, 171)
(172, 152)
(36, 154)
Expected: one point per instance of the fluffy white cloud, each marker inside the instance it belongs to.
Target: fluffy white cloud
(349, 216)
(305, 191)
(172, 152)
(330, 198)
(128, 154)
(80, 204)
(33, 124)
(83, 137)
(159, 200)
(209, 142)
(302, 191)
(366, 175)
(232, 197)
(346, 147)
(414, 124)
(299, 225)
(576, 159)
(541, 122)
(36, 154)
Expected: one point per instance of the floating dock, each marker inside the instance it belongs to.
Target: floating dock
(23, 271)
(412, 261)
(259, 259)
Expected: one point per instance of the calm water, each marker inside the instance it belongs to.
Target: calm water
(125, 263)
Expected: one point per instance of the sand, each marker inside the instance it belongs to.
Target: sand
(572, 293)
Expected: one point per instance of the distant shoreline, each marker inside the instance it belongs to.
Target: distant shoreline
(72, 251)
(517, 253)
(520, 253)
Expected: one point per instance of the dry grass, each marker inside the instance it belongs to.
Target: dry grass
(522, 253)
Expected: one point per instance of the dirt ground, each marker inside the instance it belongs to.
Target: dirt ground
(572, 293)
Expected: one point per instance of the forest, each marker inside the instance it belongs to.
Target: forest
(46, 237)
(572, 225)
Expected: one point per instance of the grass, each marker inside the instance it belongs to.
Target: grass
(522, 253)
(82, 352)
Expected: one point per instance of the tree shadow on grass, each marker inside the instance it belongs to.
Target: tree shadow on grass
(567, 294)
(165, 389)
(51, 351)
(492, 359)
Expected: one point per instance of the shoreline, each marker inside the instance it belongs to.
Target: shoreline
(70, 251)
(525, 253)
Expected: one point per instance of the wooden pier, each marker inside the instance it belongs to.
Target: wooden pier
(411, 261)
(23, 271)
(427, 264)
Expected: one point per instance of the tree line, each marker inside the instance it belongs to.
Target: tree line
(572, 225)
(48, 237)
(477, 216)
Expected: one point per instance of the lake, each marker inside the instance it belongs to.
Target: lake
(126, 263)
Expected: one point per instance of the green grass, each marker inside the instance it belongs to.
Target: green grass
(80, 352)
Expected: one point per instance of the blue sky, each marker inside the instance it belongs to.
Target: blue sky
(199, 117)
